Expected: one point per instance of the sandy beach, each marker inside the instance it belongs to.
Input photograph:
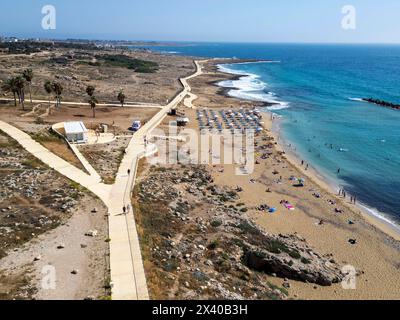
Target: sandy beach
(316, 177)
(324, 219)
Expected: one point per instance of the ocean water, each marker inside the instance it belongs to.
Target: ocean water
(317, 89)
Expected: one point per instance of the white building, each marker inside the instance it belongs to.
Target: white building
(75, 132)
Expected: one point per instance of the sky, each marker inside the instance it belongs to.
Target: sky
(315, 21)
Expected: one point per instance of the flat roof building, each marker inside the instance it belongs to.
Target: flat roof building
(75, 132)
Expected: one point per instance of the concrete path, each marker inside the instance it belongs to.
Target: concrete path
(189, 101)
(127, 272)
(91, 183)
(124, 246)
(88, 167)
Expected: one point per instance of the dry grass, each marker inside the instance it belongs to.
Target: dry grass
(59, 147)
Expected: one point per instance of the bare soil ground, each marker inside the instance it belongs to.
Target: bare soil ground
(154, 88)
(106, 158)
(118, 120)
(39, 210)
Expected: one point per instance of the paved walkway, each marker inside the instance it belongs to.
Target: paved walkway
(88, 167)
(127, 272)
(124, 238)
(91, 183)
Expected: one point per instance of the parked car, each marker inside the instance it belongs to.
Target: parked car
(136, 125)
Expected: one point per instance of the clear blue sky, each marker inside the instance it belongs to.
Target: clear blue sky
(205, 20)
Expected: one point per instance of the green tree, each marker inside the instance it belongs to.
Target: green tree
(10, 86)
(28, 76)
(20, 87)
(48, 87)
(90, 90)
(57, 89)
(121, 97)
(93, 102)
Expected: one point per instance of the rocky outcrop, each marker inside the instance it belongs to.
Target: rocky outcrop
(290, 257)
(382, 103)
(198, 235)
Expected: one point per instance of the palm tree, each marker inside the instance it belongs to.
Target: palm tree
(49, 89)
(28, 76)
(10, 86)
(92, 102)
(57, 89)
(20, 88)
(90, 90)
(121, 97)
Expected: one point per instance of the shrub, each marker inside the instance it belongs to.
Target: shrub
(277, 247)
(216, 223)
(124, 61)
(213, 245)
(305, 260)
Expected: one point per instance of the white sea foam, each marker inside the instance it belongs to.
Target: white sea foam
(356, 99)
(376, 213)
(170, 52)
(250, 87)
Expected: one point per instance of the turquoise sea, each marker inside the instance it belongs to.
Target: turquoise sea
(317, 90)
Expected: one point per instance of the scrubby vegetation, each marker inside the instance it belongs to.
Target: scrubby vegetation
(28, 47)
(123, 61)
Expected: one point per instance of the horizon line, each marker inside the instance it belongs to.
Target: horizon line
(65, 38)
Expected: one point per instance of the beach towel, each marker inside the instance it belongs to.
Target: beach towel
(289, 206)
